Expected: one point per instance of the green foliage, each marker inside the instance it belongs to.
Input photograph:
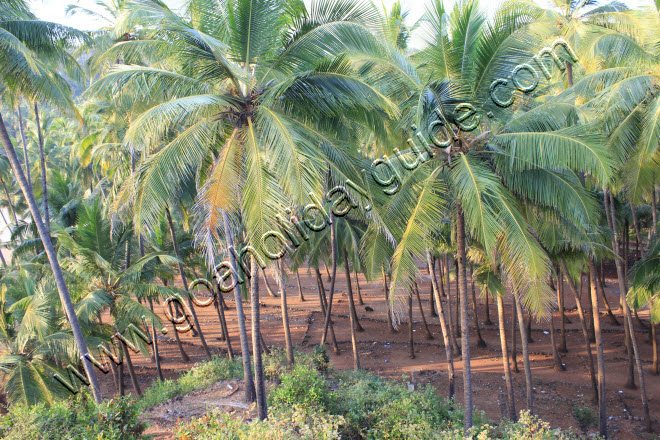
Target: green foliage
(303, 386)
(77, 419)
(202, 375)
(295, 423)
(275, 364)
(585, 416)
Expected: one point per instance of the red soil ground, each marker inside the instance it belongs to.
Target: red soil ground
(387, 354)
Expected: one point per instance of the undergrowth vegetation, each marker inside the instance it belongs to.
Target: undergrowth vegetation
(313, 402)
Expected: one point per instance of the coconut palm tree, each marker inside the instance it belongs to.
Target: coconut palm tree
(21, 71)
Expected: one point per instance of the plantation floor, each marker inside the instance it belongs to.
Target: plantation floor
(387, 354)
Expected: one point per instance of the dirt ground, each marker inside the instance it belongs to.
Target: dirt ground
(387, 354)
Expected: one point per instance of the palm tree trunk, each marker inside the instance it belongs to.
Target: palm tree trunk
(411, 334)
(42, 158)
(9, 202)
(602, 400)
(450, 322)
(488, 321)
(525, 352)
(360, 301)
(654, 341)
(434, 312)
(562, 312)
(559, 365)
(459, 326)
(505, 359)
(131, 369)
(601, 290)
(514, 350)
(300, 292)
(480, 341)
(154, 339)
(428, 335)
(638, 235)
(640, 371)
(333, 244)
(182, 273)
(220, 310)
(352, 313)
(248, 381)
(324, 307)
(260, 385)
(182, 352)
(54, 263)
(386, 289)
(285, 315)
(585, 332)
(610, 213)
(465, 338)
(443, 327)
(268, 289)
(26, 158)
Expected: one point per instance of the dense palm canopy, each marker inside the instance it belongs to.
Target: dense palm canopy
(157, 145)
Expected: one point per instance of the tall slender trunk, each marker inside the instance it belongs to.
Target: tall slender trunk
(505, 359)
(610, 213)
(388, 306)
(352, 313)
(525, 352)
(411, 334)
(480, 341)
(434, 312)
(42, 158)
(562, 313)
(601, 291)
(131, 369)
(175, 312)
(465, 339)
(285, 314)
(242, 332)
(529, 328)
(559, 365)
(638, 235)
(602, 400)
(333, 245)
(220, 310)
(26, 158)
(300, 292)
(268, 289)
(569, 74)
(54, 263)
(427, 331)
(443, 326)
(488, 321)
(359, 291)
(260, 385)
(654, 341)
(640, 371)
(585, 332)
(450, 321)
(459, 327)
(9, 202)
(182, 273)
(154, 342)
(514, 350)
(324, 307)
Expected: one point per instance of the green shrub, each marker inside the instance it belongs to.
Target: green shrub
(74, 419)
(529, 427)
(302, 386)
(295, 423)
(584, 416)
(275, 364)
(201, 375)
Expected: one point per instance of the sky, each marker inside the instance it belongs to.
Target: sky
(55, 10)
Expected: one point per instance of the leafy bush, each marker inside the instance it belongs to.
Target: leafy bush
(275, 364)
(584, 416)
(74, 419)
(202, 375)
(295, 423)
(303, 386)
